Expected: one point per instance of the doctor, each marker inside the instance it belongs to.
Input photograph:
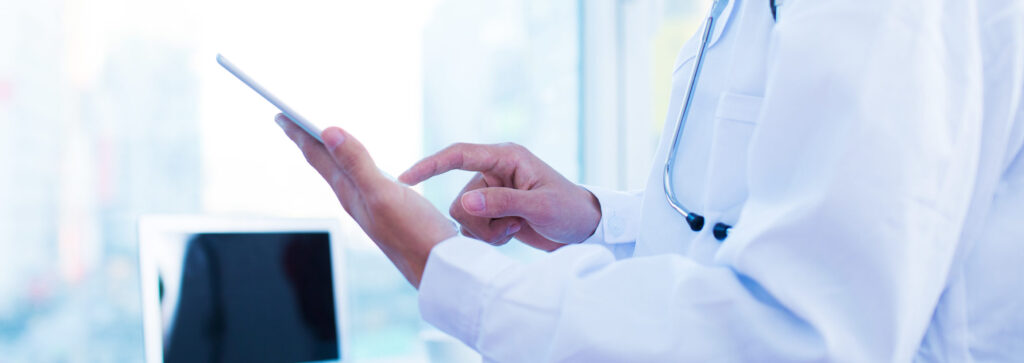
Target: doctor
(857, 168)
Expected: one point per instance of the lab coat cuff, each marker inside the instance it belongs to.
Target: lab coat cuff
(619, 212)
(454, 286)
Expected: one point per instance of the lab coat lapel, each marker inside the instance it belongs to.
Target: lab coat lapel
(737, 112)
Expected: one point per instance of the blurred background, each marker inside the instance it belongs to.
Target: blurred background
(112, 109)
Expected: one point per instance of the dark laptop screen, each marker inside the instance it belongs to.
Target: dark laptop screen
(254, 297)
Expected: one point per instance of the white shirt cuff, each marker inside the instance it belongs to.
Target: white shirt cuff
(619, 216)
(455, 282)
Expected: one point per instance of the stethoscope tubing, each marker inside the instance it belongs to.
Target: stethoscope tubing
(695, 220)
(683, 114)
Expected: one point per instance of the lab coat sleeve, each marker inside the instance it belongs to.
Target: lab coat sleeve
(860, 171)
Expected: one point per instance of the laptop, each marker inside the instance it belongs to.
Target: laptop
(238, 289)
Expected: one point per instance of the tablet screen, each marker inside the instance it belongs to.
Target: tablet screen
(252, 297)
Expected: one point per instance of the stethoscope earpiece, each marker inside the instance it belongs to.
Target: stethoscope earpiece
(721, 231)
(696, 221)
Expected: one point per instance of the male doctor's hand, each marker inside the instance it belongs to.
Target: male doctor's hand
(513, 194)
(401, 222)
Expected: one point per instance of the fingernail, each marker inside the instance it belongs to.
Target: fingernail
(332, 138)
(513, 229)
(474, 202)
(280, 120)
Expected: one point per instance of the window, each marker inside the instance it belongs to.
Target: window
(110, 109)
(629, 47)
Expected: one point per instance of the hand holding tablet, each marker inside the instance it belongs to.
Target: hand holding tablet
(401, 222)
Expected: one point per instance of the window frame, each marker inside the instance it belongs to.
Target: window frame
(617, 143)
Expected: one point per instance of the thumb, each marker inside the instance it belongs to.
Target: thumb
(505, 202)
(350, 155)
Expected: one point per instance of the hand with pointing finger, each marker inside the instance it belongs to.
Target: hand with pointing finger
(401, 222)
(513, 194)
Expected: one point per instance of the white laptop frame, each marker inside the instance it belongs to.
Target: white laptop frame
(164, 228)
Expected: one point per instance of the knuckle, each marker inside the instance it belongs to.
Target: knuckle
(456, 148)
(498, 238)
(336, 181)
(516, 148)
(455, 210)
(450, 157)
(492, 237)
(435, 166)
(479, 230)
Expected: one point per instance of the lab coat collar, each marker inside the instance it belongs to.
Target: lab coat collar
(689, 50)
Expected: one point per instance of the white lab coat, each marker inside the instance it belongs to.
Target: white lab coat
(867, 153)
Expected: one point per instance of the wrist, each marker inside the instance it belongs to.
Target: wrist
(417, 255)
(592, 217)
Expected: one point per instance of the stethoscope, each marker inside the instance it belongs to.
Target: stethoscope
(696, 221)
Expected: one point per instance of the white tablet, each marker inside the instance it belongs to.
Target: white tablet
(242, 289)
(311, 129)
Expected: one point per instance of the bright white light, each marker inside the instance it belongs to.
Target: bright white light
(356, 65)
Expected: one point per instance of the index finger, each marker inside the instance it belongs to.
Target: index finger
(470, 157)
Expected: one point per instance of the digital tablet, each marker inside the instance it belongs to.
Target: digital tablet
(311, 129)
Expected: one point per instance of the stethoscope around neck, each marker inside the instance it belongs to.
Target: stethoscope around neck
(696, 221)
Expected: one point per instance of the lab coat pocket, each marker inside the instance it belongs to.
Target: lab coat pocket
(735, 121)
